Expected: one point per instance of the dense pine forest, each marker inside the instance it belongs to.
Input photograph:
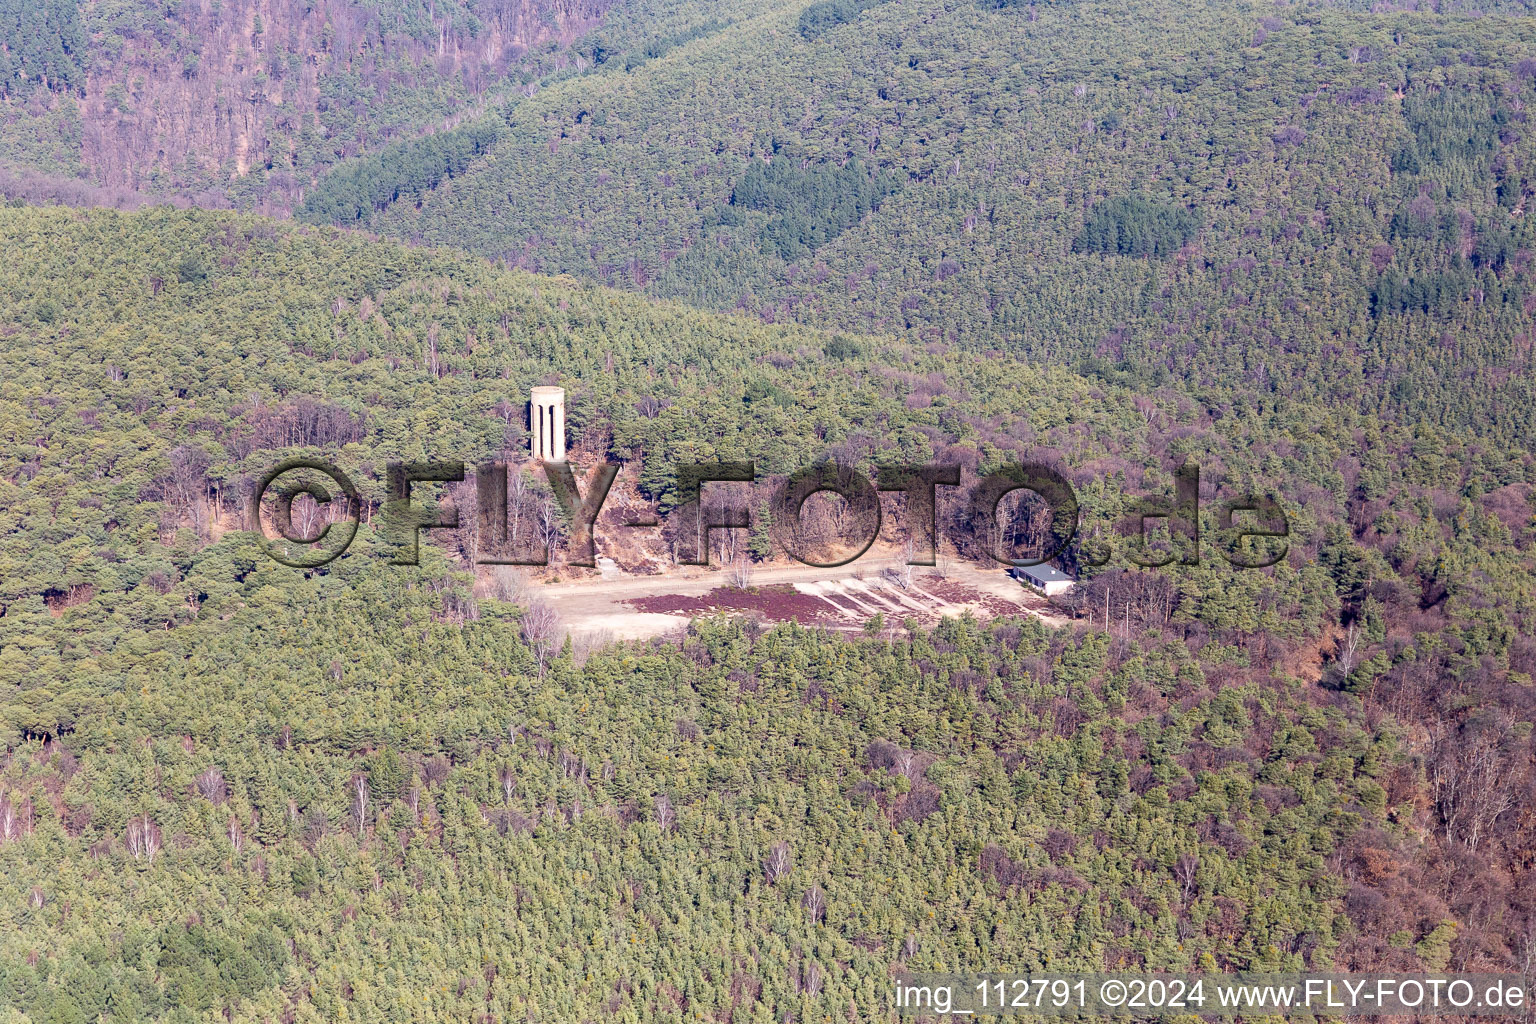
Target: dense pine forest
(1291, 244)
(1225, 197)
(359, 791)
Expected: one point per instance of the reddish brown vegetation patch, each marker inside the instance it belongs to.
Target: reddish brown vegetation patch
(60, 600)
(779, 603)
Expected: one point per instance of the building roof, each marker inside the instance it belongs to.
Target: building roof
(1045, 574)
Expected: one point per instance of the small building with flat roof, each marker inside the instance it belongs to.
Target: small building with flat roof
(1047, 579)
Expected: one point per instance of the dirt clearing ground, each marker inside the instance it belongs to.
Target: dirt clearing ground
(626, 607)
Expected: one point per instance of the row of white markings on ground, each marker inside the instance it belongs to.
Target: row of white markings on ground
(878, 595)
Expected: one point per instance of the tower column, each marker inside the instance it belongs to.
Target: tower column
(546, 421)
(559, 413)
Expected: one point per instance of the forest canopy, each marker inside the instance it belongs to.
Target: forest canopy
(1137, 226)
(308, 764)
(1291, 246)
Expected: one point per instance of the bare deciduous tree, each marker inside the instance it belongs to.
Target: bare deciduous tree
(15, 818)
(589, 642)
(1528, 968)
(210, 785)
(1474, 776)
(776, 865)
(815, 903)
(466, 501)
(189, 485)
(508, 584)
(740, 573)
(1348, 649)
(360, 802)
(573, 766)
(8, 827)
(435, 769)
(548, 525)
(522, 506)
(904, 575)
(541, 632)
(1186, 870)
(307, 516)
(142, 838)
(665, 816)
(434, 361)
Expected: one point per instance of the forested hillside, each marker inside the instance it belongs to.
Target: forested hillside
(247, 101)
(245, 790)
(1225, 196)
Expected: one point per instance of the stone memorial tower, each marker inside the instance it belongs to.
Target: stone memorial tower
(546, 418)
